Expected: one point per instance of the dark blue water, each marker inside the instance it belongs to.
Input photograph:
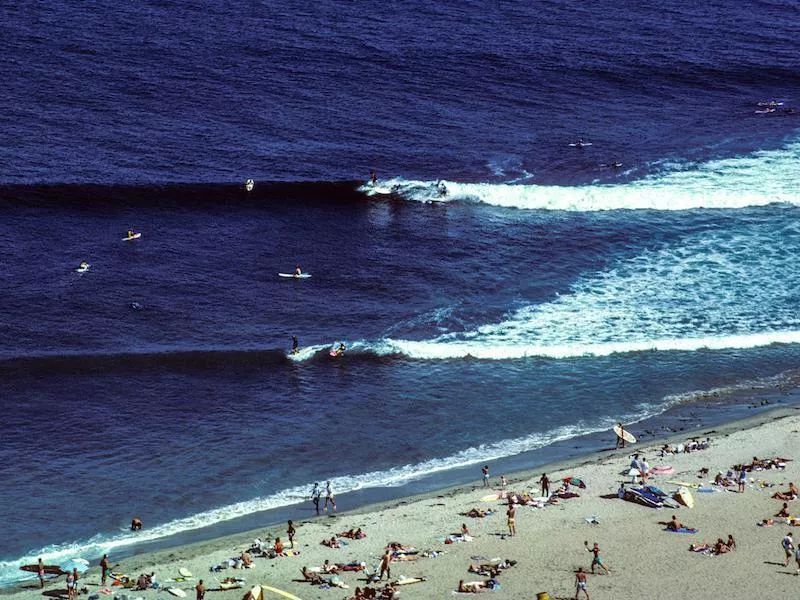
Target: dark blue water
(544, 296)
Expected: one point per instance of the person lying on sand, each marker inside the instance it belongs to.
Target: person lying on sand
(247, 561)
(476, 513)
(353, 534)
(331, 543)
(473, 587)
(720, 547)
(790, 494)
(327, 567)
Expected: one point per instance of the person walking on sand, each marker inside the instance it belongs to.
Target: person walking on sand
(788, 548)
(596, 560)
(104, 566)
(580, 583)
(544, 480)
(316, 495)
(75, 578)
(511, 513)
(329, 497)
(290, 531)
(485, 471)
(201, 590)
(386, 562)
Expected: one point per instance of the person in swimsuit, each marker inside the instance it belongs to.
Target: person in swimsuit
(329, 497)
(620, 437)
(511, 513)
(297, 271)
(105, 566)
(201, 590)
(386, 562)
(788, 547)
(544, 480)
(485, 472)
(580, 583)
(596, 560)
(290, 531)
(316, 495)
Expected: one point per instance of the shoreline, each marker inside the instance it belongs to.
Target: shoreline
(392, 517)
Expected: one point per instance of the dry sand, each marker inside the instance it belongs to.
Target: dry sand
(646, 562)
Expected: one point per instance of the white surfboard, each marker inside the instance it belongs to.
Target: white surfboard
(135, 236)
(177, 592)
(580, 144)
(293, 276)
(82, 269)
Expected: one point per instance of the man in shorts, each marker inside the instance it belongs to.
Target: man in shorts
(580, 583)
(788, 548)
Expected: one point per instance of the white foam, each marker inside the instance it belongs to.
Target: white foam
(398, 476)
(757, 179)
(714, 289)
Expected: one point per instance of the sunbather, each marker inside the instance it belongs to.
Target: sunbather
(331, 543)
(311, 577)
(475, 513)
(783, 512)
(674, 524)
(790, 494)
(327, 567)
(473, 587)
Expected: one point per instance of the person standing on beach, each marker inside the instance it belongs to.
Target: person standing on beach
(201, 590)
(742, 478)
(40, 571)
(485, 471)
(544, 480)
(75, 578)
(386, 562)
(502, 482)
(316, 494)
(329, 497)
(70, 586)
(596, 560)
(104, 566)
(620, 437)
(511, 514)
(788, 548)
(290, 531)
(580, 583)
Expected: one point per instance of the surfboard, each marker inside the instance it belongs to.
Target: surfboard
(48, 569)
(257, 593)
(177, 592)
(379, 189)
(293, 276)
(185, 572)
(408, 580)
(624, 434)
(490, 498)
(135, 236)
(684, 496)
(580, 144)
(82, 269)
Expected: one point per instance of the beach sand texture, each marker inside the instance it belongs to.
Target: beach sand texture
(645, 560)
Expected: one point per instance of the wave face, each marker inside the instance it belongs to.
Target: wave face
(758, 179)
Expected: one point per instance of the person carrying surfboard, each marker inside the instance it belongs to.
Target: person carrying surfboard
(620, 437)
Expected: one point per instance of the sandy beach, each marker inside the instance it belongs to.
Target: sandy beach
(645, 561)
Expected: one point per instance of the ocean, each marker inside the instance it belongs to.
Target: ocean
(504, 297)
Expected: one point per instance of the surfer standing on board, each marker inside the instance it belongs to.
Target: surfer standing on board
(373, 178)
(620, 437)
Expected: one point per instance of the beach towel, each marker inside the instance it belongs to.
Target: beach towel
(683, 530)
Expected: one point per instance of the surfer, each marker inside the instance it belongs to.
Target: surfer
(620, 437)
(441, 188)
(297, 271)
(201, 590)
(131, 233)
(340, 350)
(84, 265)
(249, 185)
(295, 345)
(136, 524)
(373, 178)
